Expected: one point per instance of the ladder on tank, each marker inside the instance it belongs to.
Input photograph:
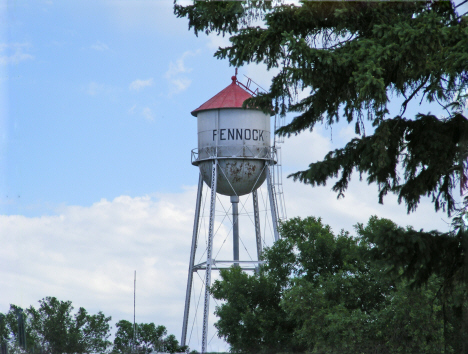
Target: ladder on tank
(276, 170)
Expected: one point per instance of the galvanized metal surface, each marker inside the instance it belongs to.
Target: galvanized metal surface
(192, 261)
(235, 152)
(235, 228)
(218, 265)
(235, 177)
(209, 251)
(228, 128)
(277, 176)
(240, 140)
(212, 264)
(258, 235)
(272, 197)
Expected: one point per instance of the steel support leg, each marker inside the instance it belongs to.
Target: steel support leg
(192, 261)
(214, 176)
(258, 235)
(272, 195)
(235, 228)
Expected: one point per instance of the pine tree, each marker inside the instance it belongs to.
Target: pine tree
(352, 57)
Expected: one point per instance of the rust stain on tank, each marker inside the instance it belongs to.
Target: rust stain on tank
(250, 169)
(234, 171)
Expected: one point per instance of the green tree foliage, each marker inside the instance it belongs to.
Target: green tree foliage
(252, 320)
(54, 328)
(149, 339)
(123, 341)
(171, 345)
(13, 336)
(417, 257)
(325, 293)
(352, 57)
(4, 332)
(58, 331)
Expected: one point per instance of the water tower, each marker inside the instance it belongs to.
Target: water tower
(234, 157)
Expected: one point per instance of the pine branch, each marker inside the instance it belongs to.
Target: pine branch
(407, 100)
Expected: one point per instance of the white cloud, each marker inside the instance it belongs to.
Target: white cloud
(313, 146)
(216, 41)
(180, 85)
(179, 65)
(100, 89)
(132, 109)
(178, 82)
(138, 84)
(349, 132)
(88, 255)
(14, 53)
(360, 201)
(147, 113)
(258, 73)
(183, 2)
(358, 205)
(99, 46)
(95, 88)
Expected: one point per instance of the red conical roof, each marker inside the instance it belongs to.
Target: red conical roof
(232, 96)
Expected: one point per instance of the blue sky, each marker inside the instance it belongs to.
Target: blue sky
(95, 173)
(78, 130)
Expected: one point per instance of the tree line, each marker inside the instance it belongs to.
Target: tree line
(55, 328)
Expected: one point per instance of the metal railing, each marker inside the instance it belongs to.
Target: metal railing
(217, 265)
(232, 152)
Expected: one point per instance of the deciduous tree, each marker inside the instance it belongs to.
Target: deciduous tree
(55, 328)
(325, 293)
(148, 338)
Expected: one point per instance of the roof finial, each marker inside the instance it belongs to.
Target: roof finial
(234, 78)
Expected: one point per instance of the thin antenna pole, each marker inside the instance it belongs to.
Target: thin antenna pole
(134, 303)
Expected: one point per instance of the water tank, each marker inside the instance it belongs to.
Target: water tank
(239, 138)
